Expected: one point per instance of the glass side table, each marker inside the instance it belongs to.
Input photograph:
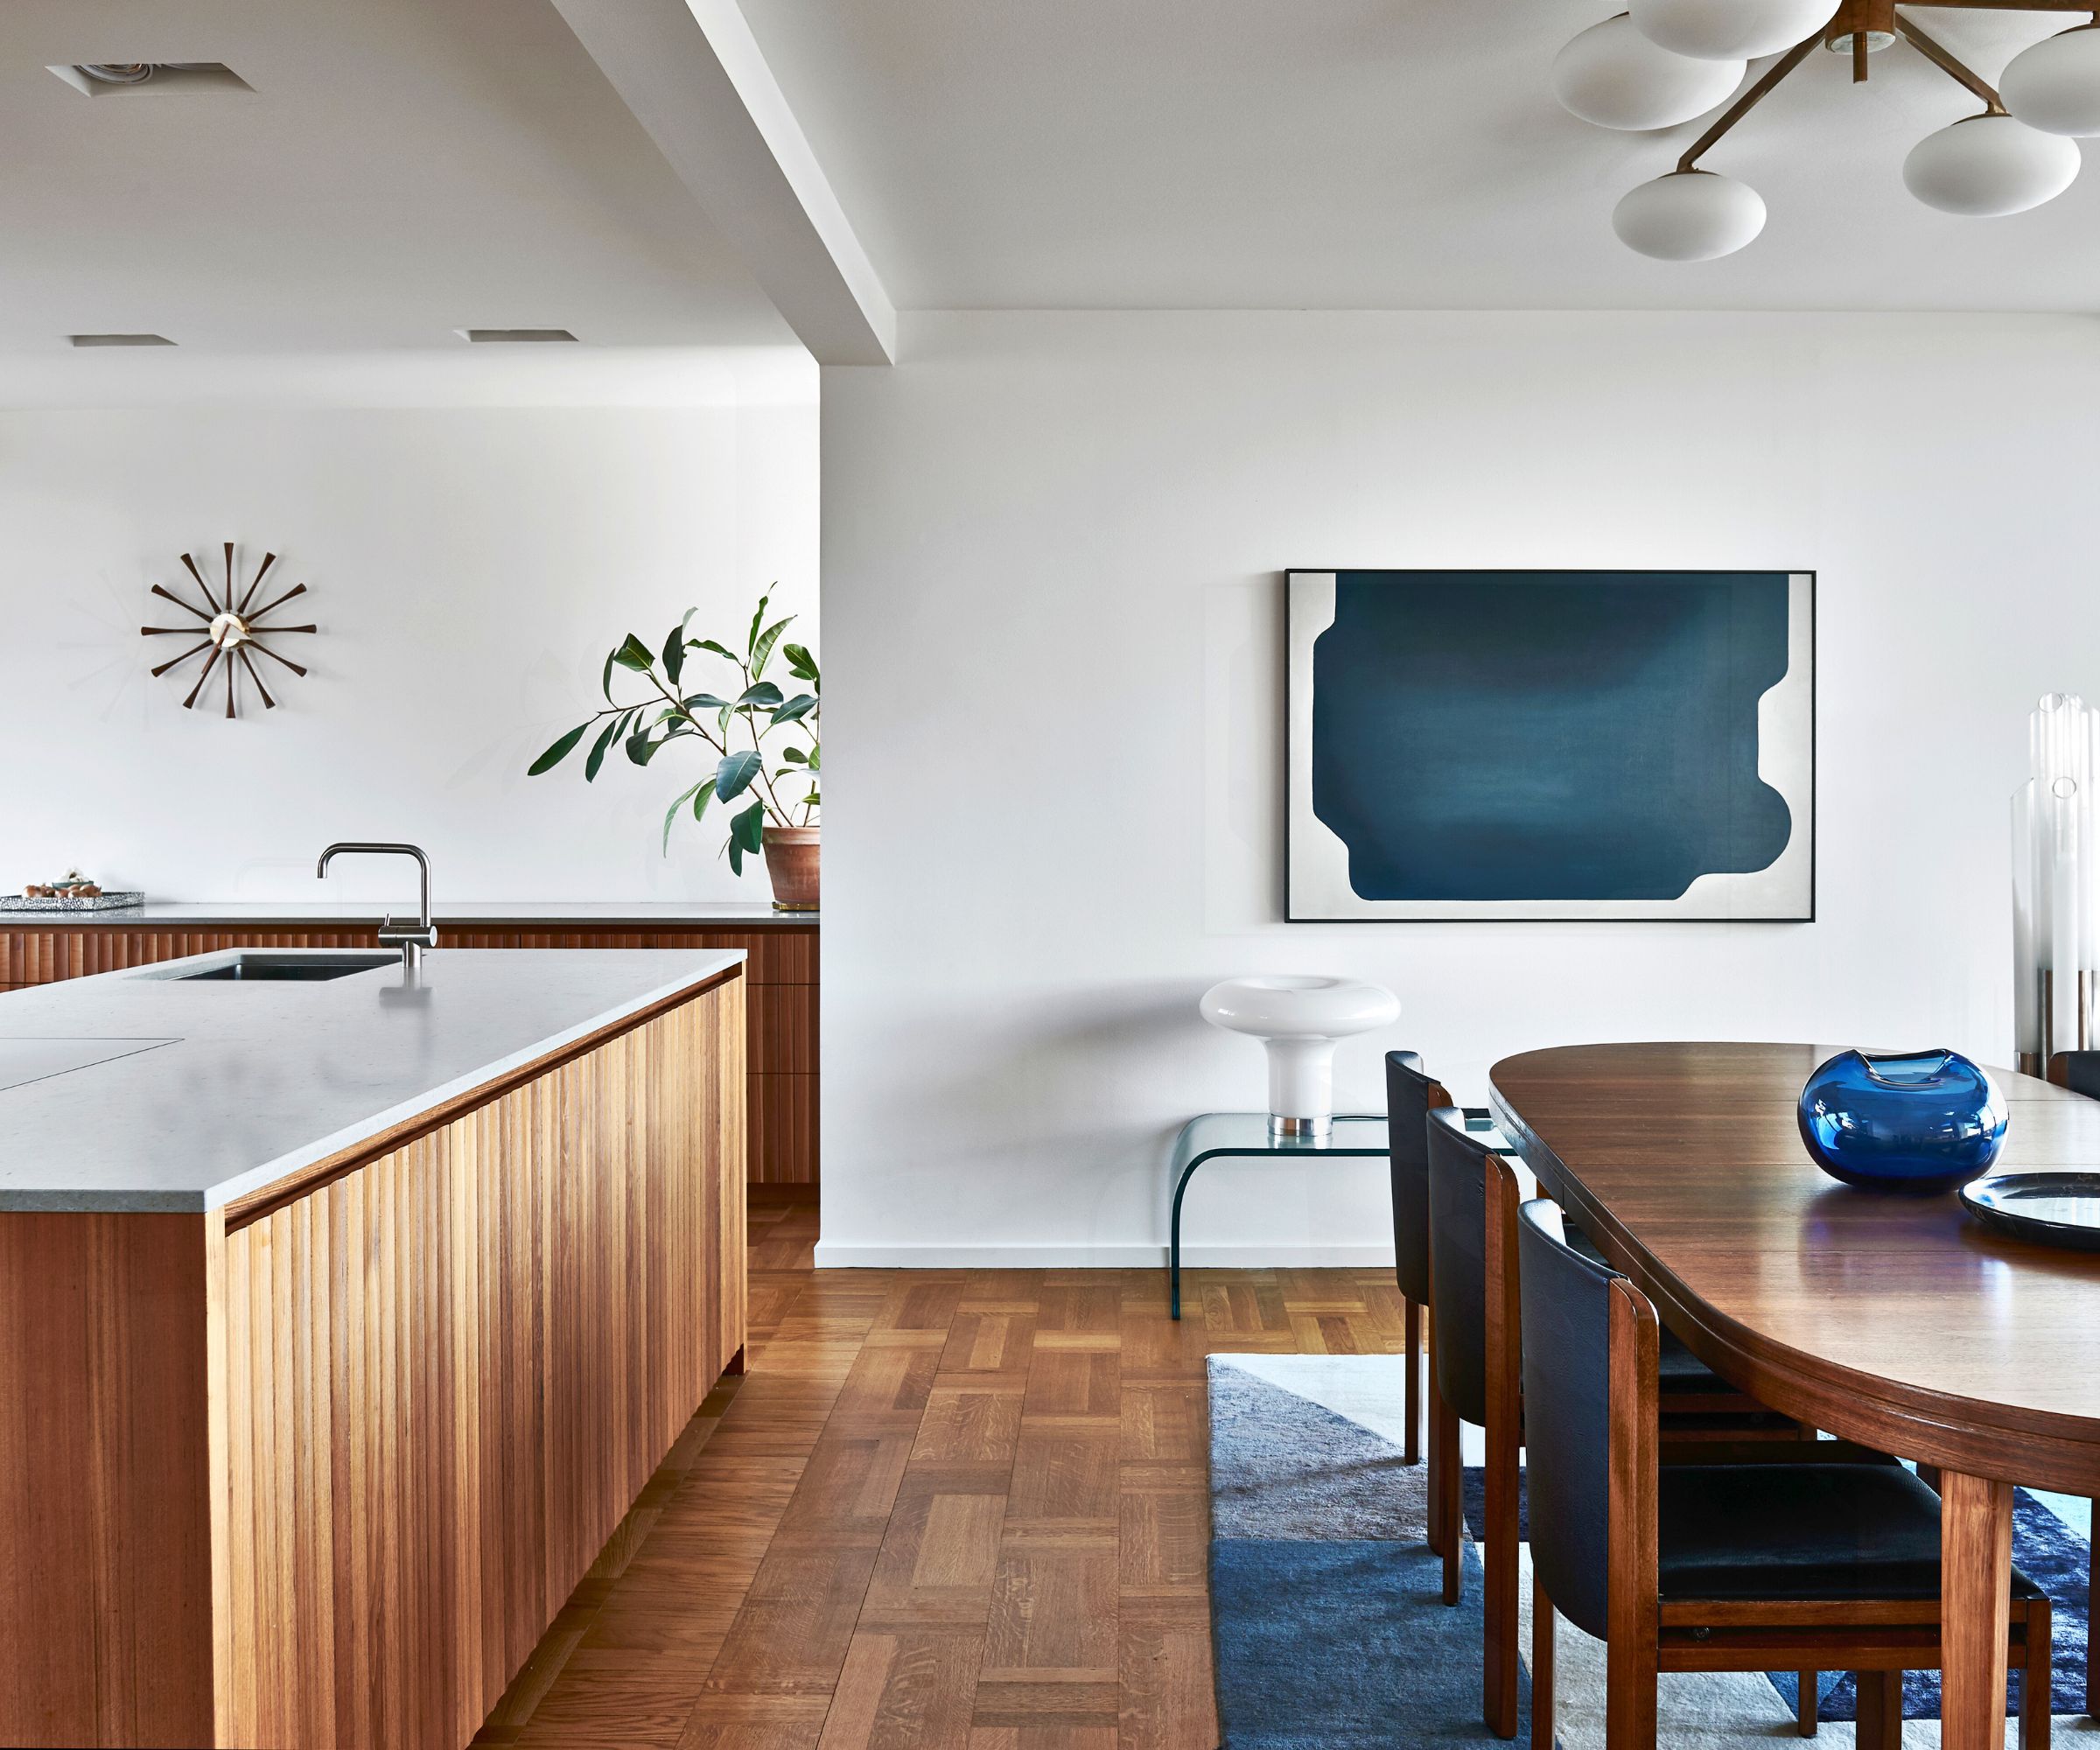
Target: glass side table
(1245, 1136)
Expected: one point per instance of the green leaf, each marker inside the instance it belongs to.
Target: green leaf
(795, 710)
(710, 644)
(758, 619)
(763, 693)
(813, 798)
(793, 755)
(674, 647)
(634, 655)
(817, 759)
(641, 749)
(698, 795)
(597, 748)
(746, 835)
(559, 752)
(736, 773)
(704, 702)
(606, 683)
(801, 663)
(762, 652)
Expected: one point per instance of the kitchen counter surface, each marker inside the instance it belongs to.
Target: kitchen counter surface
(479, 914)
(139, 1090)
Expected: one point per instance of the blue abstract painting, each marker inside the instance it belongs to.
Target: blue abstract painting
(1551, 745)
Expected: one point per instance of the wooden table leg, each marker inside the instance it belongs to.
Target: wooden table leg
(1976, 1556)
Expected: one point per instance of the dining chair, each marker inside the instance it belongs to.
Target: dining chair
(1736, 1567)
(1475, 1377)
(1410, 1092)
(2080, 1072)
(1472, 1195)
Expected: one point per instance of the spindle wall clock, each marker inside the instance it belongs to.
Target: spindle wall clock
(230, 635)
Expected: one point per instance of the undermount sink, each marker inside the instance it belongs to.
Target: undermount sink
(296, 969)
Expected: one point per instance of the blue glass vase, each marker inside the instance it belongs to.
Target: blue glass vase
(1920, 1121)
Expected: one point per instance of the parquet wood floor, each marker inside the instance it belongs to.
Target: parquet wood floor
(944, 1509)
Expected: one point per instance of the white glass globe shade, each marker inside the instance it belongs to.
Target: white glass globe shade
(1613, 75)
(1729, 29)
(2055, 85)
(1689, 216)
(1989, 165)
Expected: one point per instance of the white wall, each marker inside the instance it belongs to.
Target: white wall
(1052, 555)
(468, 568)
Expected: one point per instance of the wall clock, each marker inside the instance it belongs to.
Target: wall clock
(230, 635)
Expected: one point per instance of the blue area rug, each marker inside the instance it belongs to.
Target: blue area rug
(1327, 1607)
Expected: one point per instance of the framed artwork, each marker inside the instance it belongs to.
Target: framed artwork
(1551, 745)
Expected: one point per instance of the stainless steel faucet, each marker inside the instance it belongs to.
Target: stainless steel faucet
(410, 941)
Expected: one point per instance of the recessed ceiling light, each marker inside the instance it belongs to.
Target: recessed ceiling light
(120, 339)
(111, 79)
(511, 337)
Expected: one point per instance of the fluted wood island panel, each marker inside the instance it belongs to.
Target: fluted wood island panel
(319, 1466)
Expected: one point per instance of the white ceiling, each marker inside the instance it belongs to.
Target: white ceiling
(403, 168)
(1365, 154)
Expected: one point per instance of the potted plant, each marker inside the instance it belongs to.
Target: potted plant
(774, 821)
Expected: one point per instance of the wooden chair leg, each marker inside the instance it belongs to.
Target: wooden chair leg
(1629, 1692)
(1455, 1499)
(1542, 1666)
(1805, 1700)
(1413, 1454)
(1880, 1703)
(1499, 1587)
(2092, 1641)
(2035, 1699)
(1435, 1457)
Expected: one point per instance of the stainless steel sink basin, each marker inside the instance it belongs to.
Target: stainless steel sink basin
(298, 968)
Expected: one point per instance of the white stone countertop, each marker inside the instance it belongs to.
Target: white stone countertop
(144, 1090)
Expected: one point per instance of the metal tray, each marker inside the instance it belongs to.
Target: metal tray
(2049, 1209)
(101, 902)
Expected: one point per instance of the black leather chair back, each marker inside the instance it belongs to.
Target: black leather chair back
(1457, 1242)
(2080, 1072)
(1407, 1100)
(1567, 1414)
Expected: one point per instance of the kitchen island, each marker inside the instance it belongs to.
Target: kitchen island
(345, 1314)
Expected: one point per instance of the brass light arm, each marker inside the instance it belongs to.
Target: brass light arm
(1748, 100)
(1948, 65)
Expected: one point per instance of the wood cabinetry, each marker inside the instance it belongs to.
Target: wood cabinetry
(780, 977)
(319, 1469)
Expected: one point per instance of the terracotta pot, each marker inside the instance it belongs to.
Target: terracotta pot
(791, 858)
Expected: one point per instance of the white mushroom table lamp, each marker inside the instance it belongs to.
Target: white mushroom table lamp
(1301, 1020)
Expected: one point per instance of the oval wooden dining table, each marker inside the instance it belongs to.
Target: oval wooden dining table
(1892, 1320)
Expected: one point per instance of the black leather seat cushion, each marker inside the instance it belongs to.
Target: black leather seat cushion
(1676, 1367)
(1800, 1531)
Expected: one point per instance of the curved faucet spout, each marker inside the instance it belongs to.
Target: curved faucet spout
(411, 942)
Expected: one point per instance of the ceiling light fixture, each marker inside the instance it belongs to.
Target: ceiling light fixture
(114, 78)
(2021, 151)
(1615, 77)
